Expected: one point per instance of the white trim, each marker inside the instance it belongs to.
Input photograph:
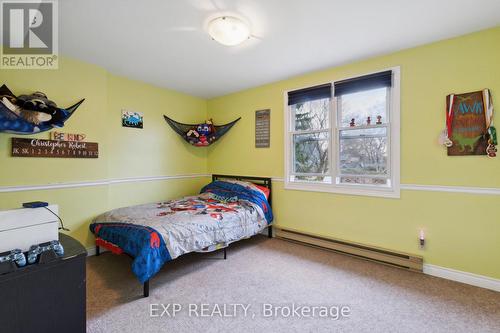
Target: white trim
(452, 189)
(354, 189)
(438, 188)
(91, 250)
(101, 182)
(104, 182)
(463, 277)
(394, 130)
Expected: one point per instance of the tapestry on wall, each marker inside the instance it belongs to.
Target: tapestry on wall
(469, 124)
(30, 114)
(200, 135)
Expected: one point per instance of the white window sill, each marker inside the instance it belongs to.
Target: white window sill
(360, 190)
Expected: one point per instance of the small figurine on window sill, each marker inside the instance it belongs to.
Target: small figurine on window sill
(368, 121)
(379, 120)
(352, 123)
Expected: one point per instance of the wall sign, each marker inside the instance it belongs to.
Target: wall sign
(132, 119)
(262, 128)
(54, 148)
(67, 136)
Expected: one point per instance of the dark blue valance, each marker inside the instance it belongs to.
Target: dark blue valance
(310, 94)
(371, 81)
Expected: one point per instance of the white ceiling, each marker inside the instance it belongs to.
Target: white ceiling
(164, 42)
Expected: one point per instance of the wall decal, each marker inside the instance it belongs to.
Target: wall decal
(67, 136)
(469, 124)
(54, 148)
(262, 128)
(132, 119)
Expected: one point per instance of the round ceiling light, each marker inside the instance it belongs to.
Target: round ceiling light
(228, 30)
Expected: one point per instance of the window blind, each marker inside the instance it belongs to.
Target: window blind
(310, 94)
(371, 81)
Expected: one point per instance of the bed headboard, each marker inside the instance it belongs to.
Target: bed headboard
(262, 181)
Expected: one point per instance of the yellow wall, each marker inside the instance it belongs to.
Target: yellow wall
(124, 152)
(463, 230)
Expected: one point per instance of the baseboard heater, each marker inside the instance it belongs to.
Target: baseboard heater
(383, 256)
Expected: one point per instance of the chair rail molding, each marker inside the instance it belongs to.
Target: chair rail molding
(99, 182)
(111, 181)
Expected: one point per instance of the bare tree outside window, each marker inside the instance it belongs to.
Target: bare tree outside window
(363, 146)
(311, 139)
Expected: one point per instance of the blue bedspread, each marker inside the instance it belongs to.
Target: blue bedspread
(143, 243)
(230, 190)
(156, 233)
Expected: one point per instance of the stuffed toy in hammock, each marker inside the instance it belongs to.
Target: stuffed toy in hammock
(200, 135)
(29, 114)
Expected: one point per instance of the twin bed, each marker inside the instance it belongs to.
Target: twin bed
(228, 209)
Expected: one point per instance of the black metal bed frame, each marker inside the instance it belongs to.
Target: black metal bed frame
(263, 181)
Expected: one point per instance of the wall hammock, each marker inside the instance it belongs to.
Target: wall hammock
(31, 114)
(200, 135)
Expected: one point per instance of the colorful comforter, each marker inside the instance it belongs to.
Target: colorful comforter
(156, 233)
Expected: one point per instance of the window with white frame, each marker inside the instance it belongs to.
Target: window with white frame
(344, 136)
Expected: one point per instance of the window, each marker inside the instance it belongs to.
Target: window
(344, 136)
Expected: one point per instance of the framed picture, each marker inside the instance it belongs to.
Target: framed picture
(132, 119)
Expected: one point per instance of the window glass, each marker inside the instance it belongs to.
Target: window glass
(311, 153)
(312, 115)
(347, 143)
(361, 105)
(363, 152)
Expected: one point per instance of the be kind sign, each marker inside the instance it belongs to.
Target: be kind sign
(467, 121)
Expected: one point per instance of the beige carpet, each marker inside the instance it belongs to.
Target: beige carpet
(272, 271)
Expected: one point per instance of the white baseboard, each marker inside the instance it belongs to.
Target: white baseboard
(91, 251)
(464, 277)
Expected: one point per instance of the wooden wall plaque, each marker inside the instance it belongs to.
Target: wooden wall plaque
(53, 148)
(468, 124)
(262, 128)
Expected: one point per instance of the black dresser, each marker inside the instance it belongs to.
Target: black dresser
(46, 297)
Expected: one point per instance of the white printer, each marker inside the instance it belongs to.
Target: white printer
(21, 228)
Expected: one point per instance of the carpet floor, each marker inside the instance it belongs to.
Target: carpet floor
(270, 276)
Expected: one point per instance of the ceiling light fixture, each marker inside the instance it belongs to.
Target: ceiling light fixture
(228, 30)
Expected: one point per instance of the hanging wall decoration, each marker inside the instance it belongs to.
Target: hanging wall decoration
(200, 135)
(67, 136)
(54, 148)
(132, 119)
(263, 128)
(469, 124)
(30, 114)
